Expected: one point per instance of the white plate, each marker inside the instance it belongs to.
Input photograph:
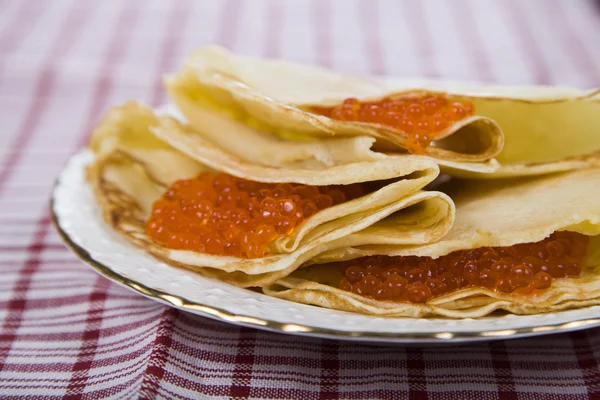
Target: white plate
(77, 218)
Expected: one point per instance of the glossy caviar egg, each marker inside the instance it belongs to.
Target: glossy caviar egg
(224, 215)
(420, 118)
(518, 269)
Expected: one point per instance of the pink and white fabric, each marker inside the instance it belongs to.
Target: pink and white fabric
(67, 332)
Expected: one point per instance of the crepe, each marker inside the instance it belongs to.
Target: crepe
(496, 213)
(276, 97)
(140, 154)
(530, 131)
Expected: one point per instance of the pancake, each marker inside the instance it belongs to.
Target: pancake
(498, 224)
(145, 162)
(511, 131)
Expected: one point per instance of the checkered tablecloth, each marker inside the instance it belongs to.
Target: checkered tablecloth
(65, 331)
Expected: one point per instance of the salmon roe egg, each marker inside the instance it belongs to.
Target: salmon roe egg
(420, 118)
(518, 269)
(224, 215)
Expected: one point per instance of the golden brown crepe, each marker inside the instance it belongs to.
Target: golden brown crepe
(496, 213)
(134, 167)
(542, 130)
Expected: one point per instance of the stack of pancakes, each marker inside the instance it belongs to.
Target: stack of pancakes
(361, 196)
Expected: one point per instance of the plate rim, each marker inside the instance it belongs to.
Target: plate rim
(306, 330)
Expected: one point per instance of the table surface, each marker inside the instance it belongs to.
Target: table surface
(66, 331)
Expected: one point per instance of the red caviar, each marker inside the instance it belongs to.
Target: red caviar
(224, 215)
(420, 118)
(519, 269)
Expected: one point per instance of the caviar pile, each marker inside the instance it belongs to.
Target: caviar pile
(519, 269)
(420, 118)
(223, 215)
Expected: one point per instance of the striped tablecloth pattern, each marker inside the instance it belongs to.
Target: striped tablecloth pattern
(67, 332)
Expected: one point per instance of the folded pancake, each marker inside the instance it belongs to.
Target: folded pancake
(191, 203)
(300, 103)
(530, 131)
(524, 246)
